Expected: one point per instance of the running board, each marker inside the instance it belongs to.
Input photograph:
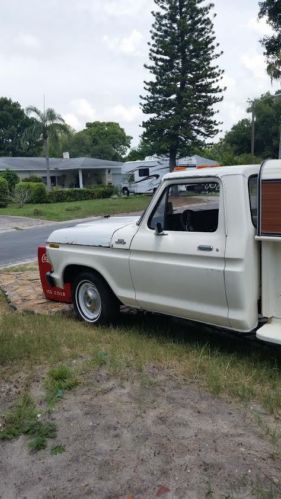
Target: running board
(271, 331)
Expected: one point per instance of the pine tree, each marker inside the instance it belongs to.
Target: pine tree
(271, 10)
(185, 79)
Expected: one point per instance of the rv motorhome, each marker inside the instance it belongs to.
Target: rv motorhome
(143, 177)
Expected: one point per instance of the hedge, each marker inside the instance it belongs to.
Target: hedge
(64, 195)
(35, 192)
(4, 192)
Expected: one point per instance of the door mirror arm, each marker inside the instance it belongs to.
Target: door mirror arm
(159, 230)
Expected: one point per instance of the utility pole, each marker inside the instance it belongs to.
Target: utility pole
(253, 131)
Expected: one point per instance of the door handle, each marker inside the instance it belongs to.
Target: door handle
(203, 247)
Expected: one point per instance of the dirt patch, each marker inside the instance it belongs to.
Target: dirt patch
(144, 440)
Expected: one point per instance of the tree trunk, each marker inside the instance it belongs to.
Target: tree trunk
(172, 158)
(46, 147)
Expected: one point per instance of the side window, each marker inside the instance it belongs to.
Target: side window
(253, 195)
(191, 207)
(143, 172)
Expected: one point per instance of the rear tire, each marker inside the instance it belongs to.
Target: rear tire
(93, 300)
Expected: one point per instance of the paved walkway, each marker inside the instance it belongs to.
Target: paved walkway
(24, 293)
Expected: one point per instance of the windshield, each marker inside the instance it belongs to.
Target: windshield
(144, 212)
(142, 215)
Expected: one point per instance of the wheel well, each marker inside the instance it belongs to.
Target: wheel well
(72, 271)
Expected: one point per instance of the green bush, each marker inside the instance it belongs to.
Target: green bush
(12, 179)
(66, 195)
(33, 179)
(4, 192)
(30, 192)
(38, 193)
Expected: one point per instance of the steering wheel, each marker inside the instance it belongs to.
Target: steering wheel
(187, 220)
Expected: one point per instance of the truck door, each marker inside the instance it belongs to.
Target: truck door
(178, 255)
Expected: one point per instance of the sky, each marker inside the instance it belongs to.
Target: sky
(87, 57)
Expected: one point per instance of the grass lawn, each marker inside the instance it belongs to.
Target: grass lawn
(78, 209)
(225, 365)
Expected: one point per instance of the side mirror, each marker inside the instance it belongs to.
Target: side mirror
(158, 229)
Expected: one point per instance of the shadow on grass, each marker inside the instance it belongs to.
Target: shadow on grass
(180, 331)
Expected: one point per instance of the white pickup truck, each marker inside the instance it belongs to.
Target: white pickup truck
(207, 249)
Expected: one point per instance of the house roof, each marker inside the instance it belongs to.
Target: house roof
(37, 164)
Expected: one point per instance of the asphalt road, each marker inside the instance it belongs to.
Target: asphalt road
(21, 245)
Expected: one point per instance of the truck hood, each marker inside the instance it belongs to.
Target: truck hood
(96, 233)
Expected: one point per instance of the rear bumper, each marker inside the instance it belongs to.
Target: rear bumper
(50, 290)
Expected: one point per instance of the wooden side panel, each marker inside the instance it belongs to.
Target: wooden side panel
(271, 207)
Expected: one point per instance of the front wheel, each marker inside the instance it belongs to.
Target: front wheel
(93, 300)
(125, 191)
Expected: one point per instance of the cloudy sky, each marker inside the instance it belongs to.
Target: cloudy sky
(87, 57)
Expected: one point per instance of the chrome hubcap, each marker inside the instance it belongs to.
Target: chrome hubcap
(89, 300)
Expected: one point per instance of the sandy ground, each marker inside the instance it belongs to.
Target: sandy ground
(136, 439)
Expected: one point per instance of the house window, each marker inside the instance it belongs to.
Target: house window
(53, 181)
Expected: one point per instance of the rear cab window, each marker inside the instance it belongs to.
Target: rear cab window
(253, 197)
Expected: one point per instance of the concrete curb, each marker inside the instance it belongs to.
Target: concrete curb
(15, 264)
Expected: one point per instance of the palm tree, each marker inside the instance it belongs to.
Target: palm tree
(47, 125)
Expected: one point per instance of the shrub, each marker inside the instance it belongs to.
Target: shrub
(33, 179)
(22, 193)
(11, 178)
(65, 195)
(38, 192)
(4, 192)
(30, 192)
